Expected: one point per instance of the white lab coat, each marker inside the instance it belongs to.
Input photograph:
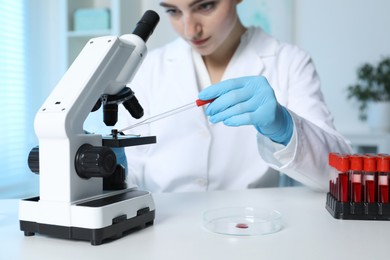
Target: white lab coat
(193, 155)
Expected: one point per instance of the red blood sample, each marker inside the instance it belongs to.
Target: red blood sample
(343, 168)
(242, 225)
(355, 178)
(343, 187)
(383, 188)
(383, 193)
(370, 191)
(383, 166)
(332, 161)
(356, 191)
(369, 167)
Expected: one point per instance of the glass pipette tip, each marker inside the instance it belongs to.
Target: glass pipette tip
(174, 111)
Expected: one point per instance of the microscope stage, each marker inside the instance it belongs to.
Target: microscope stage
(124, 141)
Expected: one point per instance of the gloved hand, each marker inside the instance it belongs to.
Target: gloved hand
(249, 101)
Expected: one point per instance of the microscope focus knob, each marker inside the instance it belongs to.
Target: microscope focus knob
(95, 161)
(33, 160)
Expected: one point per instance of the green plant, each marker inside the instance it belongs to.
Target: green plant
(373, 85)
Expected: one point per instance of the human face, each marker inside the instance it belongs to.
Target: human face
(204, 24)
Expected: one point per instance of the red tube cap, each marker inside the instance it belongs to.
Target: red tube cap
(369, 163)
(383, 163)
(356, 163)
(343, 163)
(332, 159)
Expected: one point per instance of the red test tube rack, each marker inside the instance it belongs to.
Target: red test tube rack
(359, 186)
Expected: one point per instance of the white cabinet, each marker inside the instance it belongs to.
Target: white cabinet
(370, 142)
(123, 16)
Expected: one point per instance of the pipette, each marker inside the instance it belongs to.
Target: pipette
(174, 111)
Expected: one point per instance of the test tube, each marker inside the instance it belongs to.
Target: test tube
(332, 160)
(383, 168)
(355, 178)
(369, 168)
(343, 168)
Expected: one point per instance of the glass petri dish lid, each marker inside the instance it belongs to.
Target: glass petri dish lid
(242, 221)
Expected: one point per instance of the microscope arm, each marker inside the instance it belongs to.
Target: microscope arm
(103, 67)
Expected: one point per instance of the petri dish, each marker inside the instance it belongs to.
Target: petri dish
(242, 221)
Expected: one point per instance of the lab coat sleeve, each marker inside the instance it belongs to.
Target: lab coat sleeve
(305, 158)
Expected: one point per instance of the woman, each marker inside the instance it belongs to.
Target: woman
(267, 96)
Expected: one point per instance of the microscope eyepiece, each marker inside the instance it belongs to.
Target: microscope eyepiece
(146, 25)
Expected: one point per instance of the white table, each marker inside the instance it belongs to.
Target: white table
(309, 232)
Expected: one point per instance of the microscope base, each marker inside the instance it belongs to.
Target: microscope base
(120, 225)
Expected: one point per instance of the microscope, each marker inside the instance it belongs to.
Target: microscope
(83, 191)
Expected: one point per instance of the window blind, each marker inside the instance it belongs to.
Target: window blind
(13, 102)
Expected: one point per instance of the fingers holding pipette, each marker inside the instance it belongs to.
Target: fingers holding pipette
(249, 101)
(238, 101)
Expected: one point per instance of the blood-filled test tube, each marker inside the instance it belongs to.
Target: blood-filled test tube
(369, 186)
(343, 168)
(332, 160)
(383, 168)
(355, 178)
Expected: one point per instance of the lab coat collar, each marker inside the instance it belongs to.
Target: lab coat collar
(179, 59)
(178, 50)
(248, 59)
(260, 42)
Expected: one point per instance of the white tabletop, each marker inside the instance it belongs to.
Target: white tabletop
(309, 232)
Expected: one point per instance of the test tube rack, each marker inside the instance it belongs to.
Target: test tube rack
(359, 186)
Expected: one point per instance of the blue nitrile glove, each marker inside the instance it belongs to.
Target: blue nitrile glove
(120, 156)
(249, 101)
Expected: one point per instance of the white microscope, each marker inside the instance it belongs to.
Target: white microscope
(83, 192)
